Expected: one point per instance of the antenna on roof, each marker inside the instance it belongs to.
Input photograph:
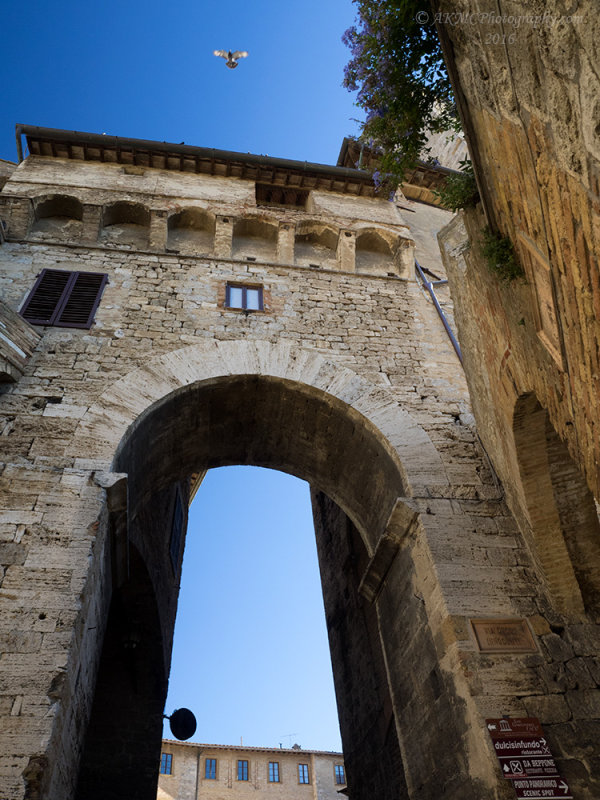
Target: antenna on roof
(289, 736)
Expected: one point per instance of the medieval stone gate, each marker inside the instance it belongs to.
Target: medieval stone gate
(190, 308)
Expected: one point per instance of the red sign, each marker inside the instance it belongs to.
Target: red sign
(514, 726)
(516, 767)
(526, 760)
(542, 789)
(521, 737)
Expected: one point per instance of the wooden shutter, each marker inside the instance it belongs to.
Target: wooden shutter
(40, 307)
(64, 299)
(79, 307)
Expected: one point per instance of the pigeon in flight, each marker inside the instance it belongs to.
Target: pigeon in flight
(231, 59)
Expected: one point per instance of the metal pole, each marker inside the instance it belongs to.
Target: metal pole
(429, 286)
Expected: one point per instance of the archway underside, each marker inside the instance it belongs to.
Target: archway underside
(267, 422)
(351, 459)
(250, 419)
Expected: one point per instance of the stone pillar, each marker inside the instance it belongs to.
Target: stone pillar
(20, 217)
(285, 243)
(158, 229)
(346, 251)
(405, 258)
(223, 236)
(92, 215)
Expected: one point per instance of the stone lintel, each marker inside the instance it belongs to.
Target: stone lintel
(399, 525)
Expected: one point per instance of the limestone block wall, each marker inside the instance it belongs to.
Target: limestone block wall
(84, 208)
(527, 86)
(503, 367)
(339, 367)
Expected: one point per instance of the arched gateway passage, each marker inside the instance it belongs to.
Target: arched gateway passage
(292, 410)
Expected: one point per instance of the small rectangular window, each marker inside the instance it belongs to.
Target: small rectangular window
(210, 769)
(64, 299)
(303, 773)
(339, 773)
(242, 771)
(248, 298)
(166, 764)
(273, 771)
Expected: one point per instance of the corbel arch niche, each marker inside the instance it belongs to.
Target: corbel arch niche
(284, 408)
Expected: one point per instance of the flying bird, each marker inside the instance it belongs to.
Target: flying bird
(231, 59)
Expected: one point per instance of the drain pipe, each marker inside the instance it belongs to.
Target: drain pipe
(429, 286)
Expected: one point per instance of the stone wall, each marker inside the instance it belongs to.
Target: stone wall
(529, 97)
(344, 379)
(527, 86)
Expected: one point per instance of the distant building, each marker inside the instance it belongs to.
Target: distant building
(191, 771)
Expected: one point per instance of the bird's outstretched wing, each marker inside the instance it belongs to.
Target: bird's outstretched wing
(239, 54)
(221, 53)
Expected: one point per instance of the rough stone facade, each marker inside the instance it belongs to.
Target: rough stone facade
(529, 94)
(344, 378)
(191, 779)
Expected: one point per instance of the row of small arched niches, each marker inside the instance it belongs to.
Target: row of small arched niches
(191, 231)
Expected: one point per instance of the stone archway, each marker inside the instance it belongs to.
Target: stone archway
(278, 406)
(125, 403)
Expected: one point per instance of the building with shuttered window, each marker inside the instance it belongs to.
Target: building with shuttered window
(191, 771)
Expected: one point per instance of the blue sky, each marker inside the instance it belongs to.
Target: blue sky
(251, 657)
(145, 69)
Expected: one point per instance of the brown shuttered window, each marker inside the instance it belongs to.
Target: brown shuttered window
(64, 299)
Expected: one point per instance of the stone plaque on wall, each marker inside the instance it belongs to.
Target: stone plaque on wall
(503, 636)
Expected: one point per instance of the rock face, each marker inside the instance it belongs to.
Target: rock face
(264, 312)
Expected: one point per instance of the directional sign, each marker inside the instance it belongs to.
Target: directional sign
(513, 767)
(521, 746)
(526, 760)
(542, 789)
(514, 726)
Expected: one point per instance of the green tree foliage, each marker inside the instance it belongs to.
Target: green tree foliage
(460, 190)
(500, 256)
(398, 70)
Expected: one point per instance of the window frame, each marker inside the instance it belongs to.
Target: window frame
(303, 774)
(210, 769)
(54, 319)
(243, 769)
(244, 287)
(274, 775)
(339, 772)
(166, 763)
